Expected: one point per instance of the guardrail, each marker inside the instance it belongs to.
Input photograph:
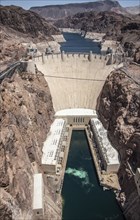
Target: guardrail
(109, 58)
(81, 53)
(65, 52)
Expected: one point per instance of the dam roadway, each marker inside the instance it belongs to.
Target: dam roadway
(75, 80)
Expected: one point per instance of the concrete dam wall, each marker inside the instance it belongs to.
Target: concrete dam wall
(75, 80)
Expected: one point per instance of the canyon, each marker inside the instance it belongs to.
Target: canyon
(29, 100)
(120, 115)
(26, 115)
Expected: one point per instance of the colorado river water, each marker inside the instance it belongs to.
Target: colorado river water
(83, 197)
(76, 43)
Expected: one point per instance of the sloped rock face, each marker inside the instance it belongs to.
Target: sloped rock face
(62, 11)
(26, 114)
(119, 110)
(108, 22)
(123, 28)
(26, 22)
(18, 26)
(11, 48)
(133, 9)
(137, 56)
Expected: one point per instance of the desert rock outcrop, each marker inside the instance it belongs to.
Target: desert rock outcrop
(26, 114)
(119, 110)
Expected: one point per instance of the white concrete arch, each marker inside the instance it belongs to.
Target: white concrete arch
(74, 81)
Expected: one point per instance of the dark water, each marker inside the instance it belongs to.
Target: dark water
(83, 197)
(76, 43)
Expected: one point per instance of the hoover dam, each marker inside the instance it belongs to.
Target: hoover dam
(76, 150)
(75, 80)
(70, 116)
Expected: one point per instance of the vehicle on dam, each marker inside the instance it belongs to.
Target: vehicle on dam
(49, 50)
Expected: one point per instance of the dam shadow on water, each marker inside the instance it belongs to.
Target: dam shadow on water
(84, 198)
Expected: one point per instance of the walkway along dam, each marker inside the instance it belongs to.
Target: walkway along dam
(76, 80)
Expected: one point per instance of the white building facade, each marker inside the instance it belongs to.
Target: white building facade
(38, 194)
(76, 116)
(108, 154)
(52, 149)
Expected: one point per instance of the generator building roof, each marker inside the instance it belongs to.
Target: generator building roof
(51, 145)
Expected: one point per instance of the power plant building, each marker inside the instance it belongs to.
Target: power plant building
(52, 155)
(76, 116)
(108, 154)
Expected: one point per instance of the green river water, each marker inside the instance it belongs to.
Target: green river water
(84, 198)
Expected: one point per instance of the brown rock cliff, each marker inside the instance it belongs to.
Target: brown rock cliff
(26, 22)
(119, 110)
(26, 114)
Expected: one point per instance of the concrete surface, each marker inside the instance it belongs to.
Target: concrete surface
(74, 81)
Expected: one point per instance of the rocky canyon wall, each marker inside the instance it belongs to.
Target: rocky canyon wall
(119, 111)
(26, 113)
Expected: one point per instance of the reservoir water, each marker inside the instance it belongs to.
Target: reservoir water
(84, 198)
(76, 43)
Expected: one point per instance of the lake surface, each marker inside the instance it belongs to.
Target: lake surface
(76, 43)
(84, 198)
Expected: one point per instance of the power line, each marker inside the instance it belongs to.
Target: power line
(73, 78)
